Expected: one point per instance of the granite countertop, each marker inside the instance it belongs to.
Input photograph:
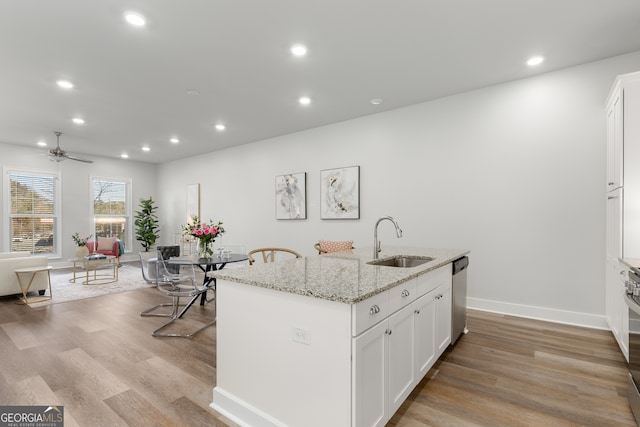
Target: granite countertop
(342, 276)
(633, 263)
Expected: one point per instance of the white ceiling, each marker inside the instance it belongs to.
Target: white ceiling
(131, 83)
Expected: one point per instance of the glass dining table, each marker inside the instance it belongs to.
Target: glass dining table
(213, 263)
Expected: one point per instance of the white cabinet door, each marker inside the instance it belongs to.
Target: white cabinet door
(614, 142)
(401, 356)
(614, 272)
(443, 318)
(614, 224)
(425, 315)
(623, 337)
(370, 378)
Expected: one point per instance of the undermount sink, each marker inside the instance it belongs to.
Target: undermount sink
(402, 261)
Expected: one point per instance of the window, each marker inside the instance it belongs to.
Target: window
(112, 208)
(33, 206)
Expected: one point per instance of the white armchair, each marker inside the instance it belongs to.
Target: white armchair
(10, 261)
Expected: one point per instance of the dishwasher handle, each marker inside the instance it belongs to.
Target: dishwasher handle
(460, 264)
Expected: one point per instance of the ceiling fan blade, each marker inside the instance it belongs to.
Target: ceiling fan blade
(77, 159)
(58, 154)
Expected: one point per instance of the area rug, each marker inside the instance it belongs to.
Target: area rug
(129, 279)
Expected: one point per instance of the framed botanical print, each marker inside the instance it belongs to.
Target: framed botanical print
(340, 193)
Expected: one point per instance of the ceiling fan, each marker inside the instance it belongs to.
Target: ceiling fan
(58, 154)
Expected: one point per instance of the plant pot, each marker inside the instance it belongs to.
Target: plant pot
(82, 251)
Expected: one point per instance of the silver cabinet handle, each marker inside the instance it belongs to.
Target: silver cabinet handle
(388, 332)
(374, 309)
(405, 293)
(417, 312)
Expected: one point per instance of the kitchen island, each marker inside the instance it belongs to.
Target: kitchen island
(329, 340)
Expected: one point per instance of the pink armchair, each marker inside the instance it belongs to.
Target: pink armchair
(105, 246)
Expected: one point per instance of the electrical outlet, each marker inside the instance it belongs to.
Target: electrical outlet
(300, 335)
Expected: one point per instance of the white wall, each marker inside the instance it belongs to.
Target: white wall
(76, 190)
(513, 172)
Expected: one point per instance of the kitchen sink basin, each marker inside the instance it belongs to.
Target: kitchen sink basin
(402, 261)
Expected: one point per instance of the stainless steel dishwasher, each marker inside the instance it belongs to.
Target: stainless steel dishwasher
(459, 298)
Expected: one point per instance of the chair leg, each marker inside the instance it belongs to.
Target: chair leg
(150, 311)
(175, 317)
(157, 333)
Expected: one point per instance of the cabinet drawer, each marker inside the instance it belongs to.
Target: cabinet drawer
(401, 295)
(369, 312)
(431, 280)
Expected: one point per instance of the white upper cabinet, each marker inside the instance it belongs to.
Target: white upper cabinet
(623, 159)
(614, 139)
(631, 196)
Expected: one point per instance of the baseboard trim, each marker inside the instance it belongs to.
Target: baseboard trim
(241, 412)
(539, 313)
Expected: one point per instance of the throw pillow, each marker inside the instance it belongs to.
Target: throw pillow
(331, 246)
(106, 243)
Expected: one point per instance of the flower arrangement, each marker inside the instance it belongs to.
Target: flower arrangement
(81, 241)
(206, 234)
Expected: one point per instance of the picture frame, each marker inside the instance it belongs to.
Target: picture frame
(340, 193)
(291, 196)
(193, 202)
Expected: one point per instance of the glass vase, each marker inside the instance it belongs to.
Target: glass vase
(204, 248)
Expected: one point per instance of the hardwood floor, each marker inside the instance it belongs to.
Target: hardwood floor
(97, 358)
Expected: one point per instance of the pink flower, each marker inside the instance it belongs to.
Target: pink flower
(205, 226)
(207, 231)
(198, 232)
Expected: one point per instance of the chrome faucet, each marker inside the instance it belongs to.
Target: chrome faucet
(376, 243)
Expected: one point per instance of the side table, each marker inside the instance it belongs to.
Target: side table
(32, 271)
(108, 267)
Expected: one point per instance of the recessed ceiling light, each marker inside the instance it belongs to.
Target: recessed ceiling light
(65, 84)
(124, 155)
(135, 19)
(298, 50)
(220, 127)
(304, 100)
(193, 92)
(376, 101)
(78, 121)
(42, 143)
(174, 140)
(145, 148)
(535, 60)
